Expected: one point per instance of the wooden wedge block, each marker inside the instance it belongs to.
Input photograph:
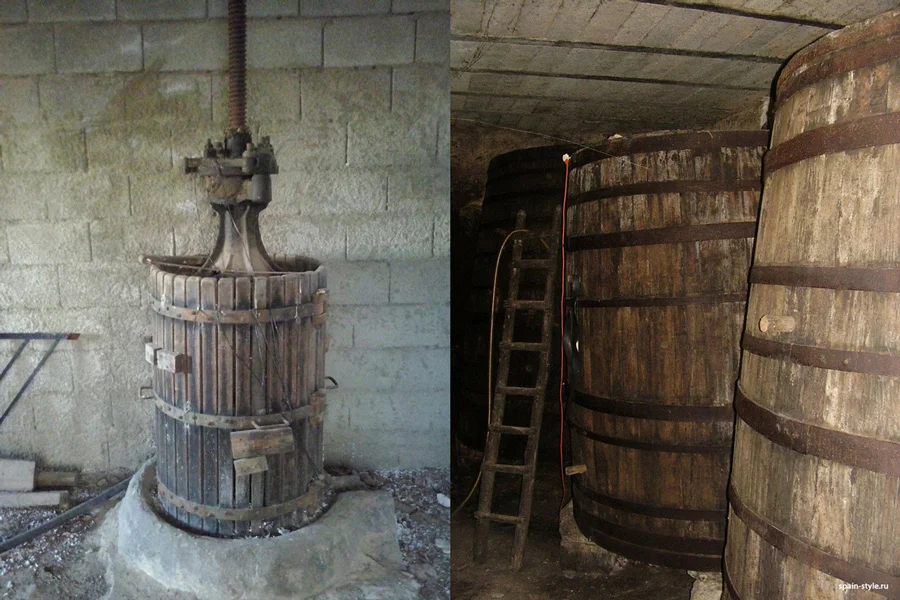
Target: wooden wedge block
(260, 442)
(55, 479)
(26, 499)
(249, 466)
(16, 475)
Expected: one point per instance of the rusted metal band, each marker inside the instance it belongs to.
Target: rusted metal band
(315, 407)
(872, 454)
(694, 140)
(878, 130)
(824, 358)
(840, 62)
(678, 553)
(310, 499)
(664, 235)
(707, 186)
(810, 555)
(237, 317)
(662, 512)
(649, 446)
(835, 278)
(674, 301)
(648, 410)
(729, 585)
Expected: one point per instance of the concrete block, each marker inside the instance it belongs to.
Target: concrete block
(340, 190)
(197, 46)
(4, 254)
(86, 286)
(339, 329)
(198, 236)
(390, 236)
(421, 90)
(358, 282)
(92, 324)
(285, 201)
(98, 194)
(393, 141)
(319, 237)
(433, 38)
(311, 144)
(189, 139)
(419, 189)
(423, 411)
(71, 431)
(124, 240)
(364, 41)
(376, 449)
(56, 374)
(127, 325)
(167, 197)
(42, 149)
(131, 147)
(16, 435)
(168, 96)
(20, 100)
(341, 94)
(28, 50)
(391, 369)
(284, 44)
(579, 553)
(329, 8)
(408, 6)
(71, 10)
(48, 243)
(270, 95)
(123, 372)
(28, 287)
(82, 100)
(443, 142)
(130, 433)
(21, 198)
(420, 281)
(160, 10)
(256, 8)
(99, 48)
(442, 235)
(13, 11)
(400, 326)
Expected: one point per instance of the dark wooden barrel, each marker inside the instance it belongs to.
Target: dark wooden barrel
(531, 180)
(238, 381)
(815, 486)
(660, 235)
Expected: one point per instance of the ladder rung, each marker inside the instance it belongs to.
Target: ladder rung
(528, 346)
(533, 263)
(526, 304)
(515, 520)
(514, 469)
(519, 391)
(512, 429)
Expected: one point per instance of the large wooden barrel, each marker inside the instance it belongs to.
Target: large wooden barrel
(238, 381)
(660, 235)
(815, 485)
(531, 180)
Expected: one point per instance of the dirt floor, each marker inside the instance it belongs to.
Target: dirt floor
(65, 564)
(542, 578)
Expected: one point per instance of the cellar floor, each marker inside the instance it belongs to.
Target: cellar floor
(542, 577)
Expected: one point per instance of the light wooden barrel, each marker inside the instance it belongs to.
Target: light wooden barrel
(660, 235)
(532, 180)
(239, 356)
(815, 486)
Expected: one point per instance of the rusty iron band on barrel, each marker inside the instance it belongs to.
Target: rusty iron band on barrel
(310, 499)
(652, 446)
(810, 555)
(834, 278)
(664, 235)
(662, 512)
(706, 140)
(688, 553)
(866, 132)
(236, 317)
(729, 584)
(824, 358)
(876, 455)
(649, 410)
(313, 409)
(705, 186)
(643, 302)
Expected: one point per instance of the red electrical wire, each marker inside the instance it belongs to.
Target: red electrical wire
(562, 333)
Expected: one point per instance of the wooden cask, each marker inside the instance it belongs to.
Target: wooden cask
(238, 382)
(815, 486)
(659, 240)
(531, 180)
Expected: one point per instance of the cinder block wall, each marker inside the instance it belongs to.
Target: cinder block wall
(99, 102)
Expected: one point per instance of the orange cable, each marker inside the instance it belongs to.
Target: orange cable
(562, 333)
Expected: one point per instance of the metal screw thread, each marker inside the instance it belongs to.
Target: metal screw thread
(237, 65)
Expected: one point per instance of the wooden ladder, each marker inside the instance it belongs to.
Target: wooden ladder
(496, 427)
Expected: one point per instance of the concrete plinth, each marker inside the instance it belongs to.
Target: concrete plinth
(707, 585)
(350, 553)
(579, 553)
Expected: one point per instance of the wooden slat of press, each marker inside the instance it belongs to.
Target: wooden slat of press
(259, 403)
(169, 386)
(243, 379)
(205, 371)
(194, 400)
(294, 466)
(156, 285)
(224, 397)
(183, 458)
(277, 397)
(308, 380)
(319, 335)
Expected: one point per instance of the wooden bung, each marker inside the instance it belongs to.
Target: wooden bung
(777, 324)
(576, 469)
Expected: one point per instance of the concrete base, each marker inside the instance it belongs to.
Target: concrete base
(350, 553)
(707, 585)
(578, 553)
